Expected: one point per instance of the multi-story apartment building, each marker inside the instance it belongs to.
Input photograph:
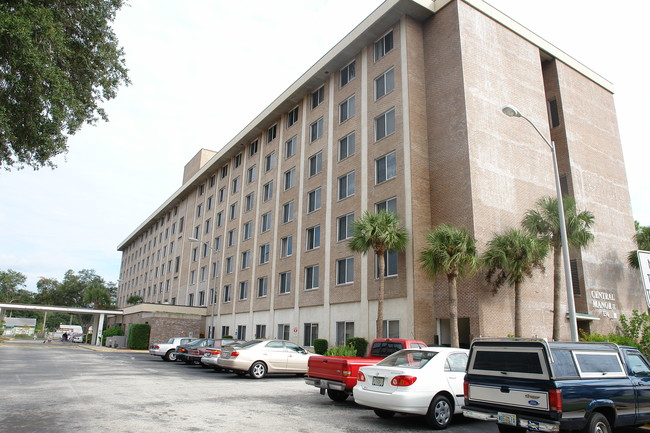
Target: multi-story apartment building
(403, 114)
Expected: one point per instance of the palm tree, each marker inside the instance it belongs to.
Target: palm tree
(380, 232)
(544, 222)
(452, 251)
(97, 295)
(642, 239)
(510, 258)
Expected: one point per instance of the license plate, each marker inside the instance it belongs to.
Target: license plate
(377, 381)
(507, 418)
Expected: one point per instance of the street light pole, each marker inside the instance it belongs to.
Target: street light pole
(511, 111)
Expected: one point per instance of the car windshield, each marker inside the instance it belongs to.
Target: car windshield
(408, 359)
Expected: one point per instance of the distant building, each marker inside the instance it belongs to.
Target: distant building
(18, 326)
(403, 114)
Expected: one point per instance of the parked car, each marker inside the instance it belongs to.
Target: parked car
(211, 354)
(189, 353)
(338, 374)
(260, 357)
(427, 381)
(167, 351)
(556, 386)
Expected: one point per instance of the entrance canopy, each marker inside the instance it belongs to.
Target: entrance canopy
(98, 315)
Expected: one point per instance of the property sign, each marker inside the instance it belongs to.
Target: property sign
(644, 267)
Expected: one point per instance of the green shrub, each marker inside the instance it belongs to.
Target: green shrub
(24, 337)
(139, 336)
(110, 332)
(342, 351)
(360, 344)
(320, 346)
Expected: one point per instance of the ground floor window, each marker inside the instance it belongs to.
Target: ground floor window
(260, 331)
(311, 333)
(344, 331)
(390, 329)
(225, 330)
(241, 332)
(283, 331)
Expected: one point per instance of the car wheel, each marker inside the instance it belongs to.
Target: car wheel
(440, 412)
(381, 413)
(597, 424)
(337, 395)
(170, 355)
(257, 370)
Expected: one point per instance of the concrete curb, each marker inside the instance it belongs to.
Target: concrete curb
(110, 349)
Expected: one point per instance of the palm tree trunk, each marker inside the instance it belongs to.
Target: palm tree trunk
(518, 303)
(453, 310)
(380, 297)
(557, 312)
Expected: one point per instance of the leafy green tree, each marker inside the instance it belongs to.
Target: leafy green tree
(544, 222)
(510, 258)
(10, 282)
(59, 60)
(134, 299)
(451, 251)
(97, 296)
(47, 291)
(642, 239)
(380, 232)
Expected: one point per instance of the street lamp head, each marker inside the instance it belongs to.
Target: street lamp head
(193, 240)
(511, 111)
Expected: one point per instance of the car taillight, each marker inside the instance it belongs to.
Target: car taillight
(403, 380)
(233, 354)
(347, 373)
(555, 400)
(361, 377)
(156, 346)
(466, 389)
(216, 352)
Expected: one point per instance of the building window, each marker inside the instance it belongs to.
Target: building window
(385, 124)
(390, 329)
(201, 189)
(346, 146)
(383, 45)
(266, 222)
(235, 185)
(201, 298)
(310, 334)
(265, 253)
(190, 300)
(315, 164)
(211, 183)
(386, 167)
(575, 277)
(222, 194)
(271, 133)
(345, 270)
(251, 174)
(390, 264)
(238, 160)
(318, 97)
(347, 73)
(313, 238)
(283, 331)
(212, 296)
(246, 259)
(346, 185)
(232, 235)
(385, 83)
(195, 254)
(233, 211)
(316, 130)
(215, 269)
(311, 277)
(208, 226)
(286, 246)
(230, 264)
(243, 290)
(199, 210)
(553, 113)
(346, 109)
(287, 212)
(177, 264)
(292, 117)
(197, 231)
(269, 161)
(224, 171)
(344, 227)
(389, 205)
(313, 200)
(252, 148)
(209, 208)
(267, 191)
(262, 286)
(260, 331)
(247, 230)
(217, 243)
(180, 224)
(290, 147)
(249, 202)
(344, 331)
(289, 178)
(206, 249)
(285, 282)
(219, 218)
(241, 332)
(225, 330)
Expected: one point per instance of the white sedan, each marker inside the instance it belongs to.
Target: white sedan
(427, 381)
(259, 357)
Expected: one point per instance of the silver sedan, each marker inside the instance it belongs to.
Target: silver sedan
(260, 357)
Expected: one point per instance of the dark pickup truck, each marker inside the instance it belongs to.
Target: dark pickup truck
(552, 386)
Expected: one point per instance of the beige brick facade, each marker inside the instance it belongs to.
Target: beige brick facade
(269, 208)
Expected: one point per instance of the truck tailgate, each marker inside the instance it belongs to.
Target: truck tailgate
(507, 396)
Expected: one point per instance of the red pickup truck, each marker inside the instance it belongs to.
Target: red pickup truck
(338, 374)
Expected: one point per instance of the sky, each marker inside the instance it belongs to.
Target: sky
(202, 70)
